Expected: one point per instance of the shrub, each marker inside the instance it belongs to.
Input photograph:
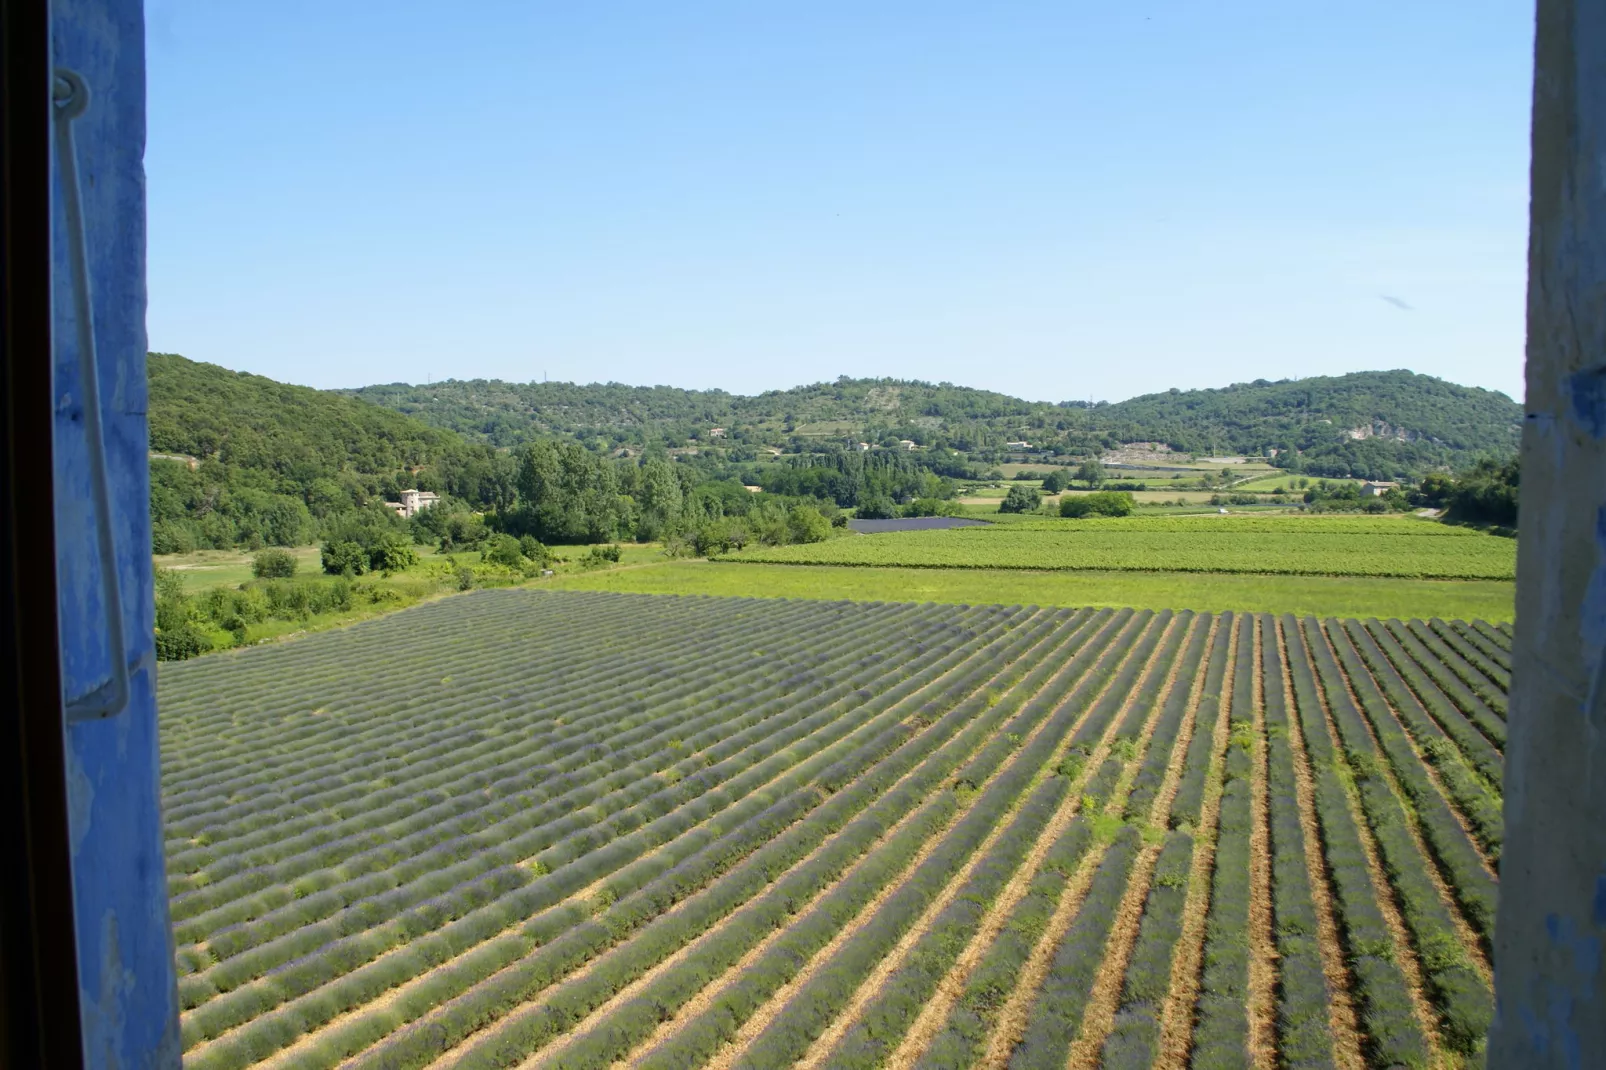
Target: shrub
(877, 508)
(600, 556)
(171, 537)
(803, 524)
(721, 536)
(503, 550)
(344, 558)
(391, 552)
(931, 507)
(1097, 504)
(1020, 499)
(273, 564)
(179, 643)
(532, 549)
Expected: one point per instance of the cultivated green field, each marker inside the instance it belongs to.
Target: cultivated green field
(556, 829)
(230, 568)
(1268, 484)
(1337, 596)
(1314, 546)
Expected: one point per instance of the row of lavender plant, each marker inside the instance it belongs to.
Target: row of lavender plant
(1002, 788)
(1394, 1036)
(1472, 746)
(718, 746)
(1473, 677)
(1464, 1001)
(1479, 806)
(638, 889)
(1221, 1031)
(336, 978)
(1304, 1003)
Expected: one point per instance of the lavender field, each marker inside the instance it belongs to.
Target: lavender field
(527, 828)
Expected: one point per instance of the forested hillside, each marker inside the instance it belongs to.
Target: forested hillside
(252, 461)
(1367, 423)
(509, 413)
(1340, 425)
(242, 460)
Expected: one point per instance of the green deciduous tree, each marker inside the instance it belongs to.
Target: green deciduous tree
(502, 550)
(1099, 503)
(1020, 499)
(569, 495)
(805, 524)
(273, 564)
(344, 558)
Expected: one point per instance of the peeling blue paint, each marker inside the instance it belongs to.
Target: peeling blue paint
(1538, 1035)
(1587, 392)
(1585, 949)
(1561, 1028)
(1566, 991)
(128, 990)
(1592, 629)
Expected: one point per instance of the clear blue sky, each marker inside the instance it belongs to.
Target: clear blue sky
(1059, 199)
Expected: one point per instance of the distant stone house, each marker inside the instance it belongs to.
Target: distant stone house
(414, 502)
(1376, 490)
(863, 446)
(1018, 445)
(905, 444)
(716, 432)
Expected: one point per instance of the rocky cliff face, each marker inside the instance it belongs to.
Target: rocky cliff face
(1384, 429)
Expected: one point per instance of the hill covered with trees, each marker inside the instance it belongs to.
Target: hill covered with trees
(1363, 424)
(1376, 424)
(241, 459)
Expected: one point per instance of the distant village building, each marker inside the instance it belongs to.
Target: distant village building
(716, 432)
(1019, 445)
(905, 444)
(1376, 490)
(752, 489)
(414, 502)
(863, 446)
